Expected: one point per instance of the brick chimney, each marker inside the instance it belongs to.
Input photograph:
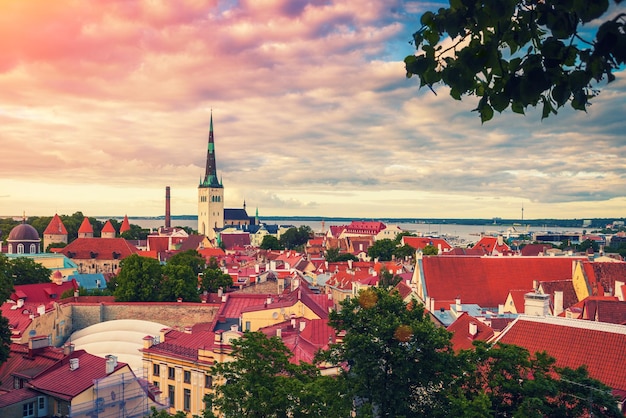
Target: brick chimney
(168, 222)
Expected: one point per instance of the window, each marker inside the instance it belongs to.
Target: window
(171, 373)
(208, 381)
(247, 325)
(28, 409)
(17, 383)
(170, 394)
(42, 402)
(156, 383)
(156, 370)
(187, 399)
(187, 376)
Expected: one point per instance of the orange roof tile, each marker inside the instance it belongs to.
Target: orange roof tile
(85, 227)
(462, 338)
(574, 343)
(125, 225)
(55, 227)
(486, 281)
(108, 227)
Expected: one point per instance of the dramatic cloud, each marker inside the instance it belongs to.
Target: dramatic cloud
(107, 102)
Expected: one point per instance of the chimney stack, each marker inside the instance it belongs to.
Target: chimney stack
(167, 207)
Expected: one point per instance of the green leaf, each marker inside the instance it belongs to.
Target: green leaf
(486, 113)
(427, 18)
(517, 107)
(499, 101)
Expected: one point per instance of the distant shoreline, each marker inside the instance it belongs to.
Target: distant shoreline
(563, 223)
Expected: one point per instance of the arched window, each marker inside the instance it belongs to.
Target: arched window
(20, 248)
(10, 248)
(33, 249)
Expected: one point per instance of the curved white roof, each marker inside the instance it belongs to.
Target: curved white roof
(122, 338)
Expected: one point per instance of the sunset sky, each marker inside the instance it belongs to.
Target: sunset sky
(105, 103)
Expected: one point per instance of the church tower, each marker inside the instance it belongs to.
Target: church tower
(210, 194)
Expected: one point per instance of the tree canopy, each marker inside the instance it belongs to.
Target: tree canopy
(213, 278)
(262, 382)
(519, 53)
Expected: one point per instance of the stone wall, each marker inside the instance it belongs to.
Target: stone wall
(172, 314)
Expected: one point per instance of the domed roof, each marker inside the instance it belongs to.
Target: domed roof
(23, 232)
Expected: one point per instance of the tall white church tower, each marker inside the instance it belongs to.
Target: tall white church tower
(210, 194)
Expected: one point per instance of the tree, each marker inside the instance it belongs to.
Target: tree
(189, 258)
(25, 270)
(138, 280)
(403, 251)
(295, 237)
(519, 53)
(586, 244)
(262, 382)
(399, 361)
(213, 278)
(331, 254)
(382, 249)
(178, 281)
(430, 250)
(6, 288)
(505, 380)
(270, 242)
(398, 238)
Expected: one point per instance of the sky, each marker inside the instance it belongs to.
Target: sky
(105, 103)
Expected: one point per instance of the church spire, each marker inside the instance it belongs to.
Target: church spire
(210, 174)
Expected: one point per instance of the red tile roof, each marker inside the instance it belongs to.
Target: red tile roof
(462, 339)
(420, 242)
(55, 227)
(61, 382)
(486, 281)
(183, 345)
(612, 311)
(17, 396)
(27, 363)
(102, 248)
(565, 286)
(491, 245)
(517, 297)
(125, 226)
(599, 346)
(85, 227)
(530, 250)
(108, 227)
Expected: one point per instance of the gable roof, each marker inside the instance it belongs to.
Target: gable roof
(27, 363)
(232, 241)
(62, 382)
(462, 338)
(492, 245)
(565, 286)
(55, 227)
(235, 215)
(602, 310)
(102, 248)
(573, 343)
(486, 281)
(420, 242)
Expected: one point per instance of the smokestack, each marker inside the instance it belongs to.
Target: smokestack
(167, 207)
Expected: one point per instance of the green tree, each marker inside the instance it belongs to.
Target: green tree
(430, 250)
(519, 53)
(213, 278)
(270, 242)
(138, 280)
(399, 361)
(403, 251)
(505, 380)
(382, 249)
(398, 238)
(295, 237)
(586, 244)
(178, 281)
(6, 288)
(331, 254)
(25, 270)
(262, 382)
(189, 258)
